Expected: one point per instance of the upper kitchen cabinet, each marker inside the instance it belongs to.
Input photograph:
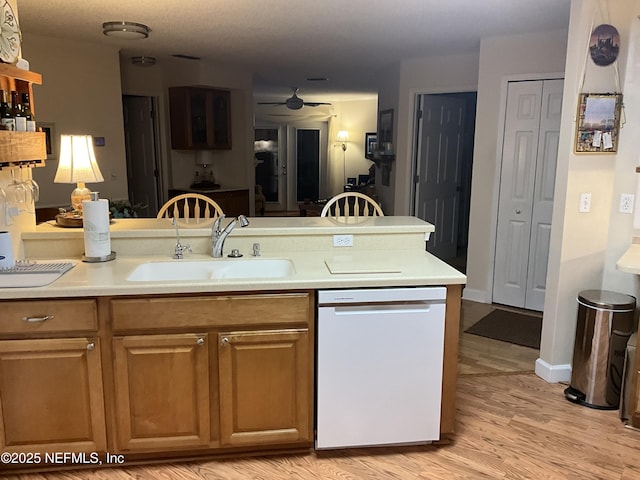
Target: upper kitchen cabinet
(200, 118)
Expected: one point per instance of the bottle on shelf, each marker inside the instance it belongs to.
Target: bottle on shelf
(28, 114)
(6, 115)
(18, 113)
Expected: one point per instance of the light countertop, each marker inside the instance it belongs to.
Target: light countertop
(392, 246)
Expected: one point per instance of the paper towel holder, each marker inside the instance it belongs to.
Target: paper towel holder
(104, 258)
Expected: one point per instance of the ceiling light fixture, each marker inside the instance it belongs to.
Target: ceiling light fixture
(125, 30)
(143, 61)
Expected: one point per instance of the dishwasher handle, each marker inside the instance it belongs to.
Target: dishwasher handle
(380, 309)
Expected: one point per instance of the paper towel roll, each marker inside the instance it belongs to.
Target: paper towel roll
(6, 251)
(95, 220)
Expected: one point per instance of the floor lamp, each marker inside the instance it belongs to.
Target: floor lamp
(343, 137)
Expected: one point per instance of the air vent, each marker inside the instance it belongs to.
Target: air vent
(186, 57)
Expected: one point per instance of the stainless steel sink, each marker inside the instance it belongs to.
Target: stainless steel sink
(184, 270)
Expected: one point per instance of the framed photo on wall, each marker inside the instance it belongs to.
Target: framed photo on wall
(598, 123)
(370, 143)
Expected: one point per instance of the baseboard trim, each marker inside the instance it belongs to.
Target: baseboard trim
(553, 373)
(475, 295)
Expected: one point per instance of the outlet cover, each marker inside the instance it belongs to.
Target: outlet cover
(343, 240)
(626, 203)
(585, 203)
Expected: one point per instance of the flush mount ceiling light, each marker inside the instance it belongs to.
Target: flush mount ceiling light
(125, 30)
(143, 61)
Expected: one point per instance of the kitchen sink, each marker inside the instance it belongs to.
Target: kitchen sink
(211, 270)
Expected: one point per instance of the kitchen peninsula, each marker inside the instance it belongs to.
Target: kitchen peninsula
(168, 368)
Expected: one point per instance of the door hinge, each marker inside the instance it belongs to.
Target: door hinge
(416, 179)
(419, 114)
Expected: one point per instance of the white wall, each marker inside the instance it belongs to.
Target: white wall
(80, 93)
(585, 246)
(501, 58)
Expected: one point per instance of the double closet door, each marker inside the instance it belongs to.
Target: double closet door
(527, 182)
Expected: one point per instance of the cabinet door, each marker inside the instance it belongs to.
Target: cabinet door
(51, 396)
(200, 118)
(265, 387)
(162, 391)
(221, 112)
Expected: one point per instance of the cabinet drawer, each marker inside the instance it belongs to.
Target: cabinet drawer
(157, 313)
(48, 316)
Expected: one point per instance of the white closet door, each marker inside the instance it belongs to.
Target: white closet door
(529, 153)
(543, 193)
(517, 181)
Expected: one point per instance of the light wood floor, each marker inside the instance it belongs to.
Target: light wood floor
(479, 355)
(509, 425)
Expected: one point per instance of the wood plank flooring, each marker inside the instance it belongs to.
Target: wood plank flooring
(480, 356)
(509, 425)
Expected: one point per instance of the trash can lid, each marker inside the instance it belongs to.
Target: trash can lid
(607, 300)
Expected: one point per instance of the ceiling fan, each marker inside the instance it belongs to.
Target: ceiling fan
(295, 102)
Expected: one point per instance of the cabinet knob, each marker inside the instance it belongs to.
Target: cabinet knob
(200, 341)
(518, 212)
(91, 346)
(224, 342)
(38, 319)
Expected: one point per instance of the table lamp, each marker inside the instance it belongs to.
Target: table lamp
(78, 165)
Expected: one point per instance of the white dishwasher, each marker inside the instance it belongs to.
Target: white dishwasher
(379, 366)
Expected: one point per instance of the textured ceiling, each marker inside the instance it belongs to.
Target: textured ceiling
(287, 41)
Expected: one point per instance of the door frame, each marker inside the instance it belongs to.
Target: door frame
(281, 204)
(161, 126)
(292, 167)
(493, 227)
(415, 126)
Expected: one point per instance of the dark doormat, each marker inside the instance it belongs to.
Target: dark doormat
(509, 327)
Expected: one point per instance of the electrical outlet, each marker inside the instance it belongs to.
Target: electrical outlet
(626, 203)
(585, 203)
(343, 240)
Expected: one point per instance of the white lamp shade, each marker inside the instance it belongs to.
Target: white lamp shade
(77, 160)
(343, 136)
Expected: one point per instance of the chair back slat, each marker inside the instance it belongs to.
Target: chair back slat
(191, 209)
(351, 204)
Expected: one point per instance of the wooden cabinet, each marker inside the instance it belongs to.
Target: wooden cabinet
(200, 118)
(51, 390)
(217, 371)
(232, 202)
(265, 387)
(21, 147)
(161, 391)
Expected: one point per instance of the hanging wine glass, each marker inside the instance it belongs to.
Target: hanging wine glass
(3, 208)
(17, 192)
(30, 183)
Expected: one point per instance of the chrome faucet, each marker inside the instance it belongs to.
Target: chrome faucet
(180, 249)
(218, 236)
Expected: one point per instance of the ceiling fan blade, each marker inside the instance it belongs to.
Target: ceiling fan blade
(315, 104)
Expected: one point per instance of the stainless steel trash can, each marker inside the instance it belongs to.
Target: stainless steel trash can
(604, 324)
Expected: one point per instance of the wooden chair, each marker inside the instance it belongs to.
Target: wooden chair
(351, 204)
(191, 209)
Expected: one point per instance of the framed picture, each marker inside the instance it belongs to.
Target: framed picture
(385, 131)
(598, 123)
(370, 143)
(49, 132)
